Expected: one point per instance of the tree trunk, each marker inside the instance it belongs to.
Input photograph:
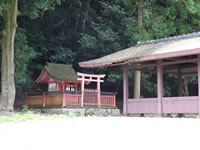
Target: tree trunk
(85, 16)
(7, 67)
(186, 90)
(137, 77)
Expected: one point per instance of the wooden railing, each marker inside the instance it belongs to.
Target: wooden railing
(67, 98)
(188, 104)
(144, 105)
(72, 99)
(108, 99)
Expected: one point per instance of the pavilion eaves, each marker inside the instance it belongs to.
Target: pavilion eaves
(181, 45)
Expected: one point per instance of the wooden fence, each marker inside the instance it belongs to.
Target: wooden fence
(66, 98)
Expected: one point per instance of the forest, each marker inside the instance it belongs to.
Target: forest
(72, 31)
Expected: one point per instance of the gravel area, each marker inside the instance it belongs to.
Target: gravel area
(102, 133)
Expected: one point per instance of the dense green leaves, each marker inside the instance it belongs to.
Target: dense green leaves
(32, 8)
(3, 5)
(23, 55)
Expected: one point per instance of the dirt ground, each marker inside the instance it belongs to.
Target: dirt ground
(102, 133)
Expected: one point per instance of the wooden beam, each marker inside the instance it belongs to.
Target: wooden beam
(140, 67)
(90, 80)
(180, 61)
(91, 75)
(125, 90)
(159, 86)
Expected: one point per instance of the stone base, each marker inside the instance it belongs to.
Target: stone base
(83, 111)
(102, 112)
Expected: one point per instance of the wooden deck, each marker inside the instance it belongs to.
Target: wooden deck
(72, 98)
(169, 105)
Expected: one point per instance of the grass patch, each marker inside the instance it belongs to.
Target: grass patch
(21, 117)
(31, 116)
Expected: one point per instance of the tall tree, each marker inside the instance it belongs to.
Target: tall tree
(7, 66)
(9, 14)
(137, 77)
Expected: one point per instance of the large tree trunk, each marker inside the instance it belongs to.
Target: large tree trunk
(7, 67)
(137, 77)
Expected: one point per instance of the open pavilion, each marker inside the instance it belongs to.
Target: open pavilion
(178, 55)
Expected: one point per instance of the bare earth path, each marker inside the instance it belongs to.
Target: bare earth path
(96, 133)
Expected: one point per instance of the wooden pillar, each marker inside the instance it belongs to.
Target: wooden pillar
(179, 82)
(159, 86)
(198, 68)
(114, 103)
(76, 87)
(98, 92)
(63, 86)
(57, 86)
(82, 90)
(125, 90)
(44, 100)
(64, 99)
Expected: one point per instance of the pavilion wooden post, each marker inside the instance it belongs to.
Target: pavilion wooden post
(82, 89)
(179, 82)
(125, 90)
(159, 86)
(198, 66)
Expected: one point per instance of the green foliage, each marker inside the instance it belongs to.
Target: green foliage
(23, 56)
(113, 77)
(63, 56)
(148, 84)
(88, 41)
(31, 8)
(105, 32)
(25, 108)
(3, 5)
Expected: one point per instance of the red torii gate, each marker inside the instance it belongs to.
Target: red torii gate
(90, 78)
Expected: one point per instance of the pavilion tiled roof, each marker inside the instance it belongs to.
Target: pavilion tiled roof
(170, 45)
(61, 71)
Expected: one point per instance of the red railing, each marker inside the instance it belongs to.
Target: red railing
(90, 97)
(72, 99)
(108, 100)
(68, 98)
